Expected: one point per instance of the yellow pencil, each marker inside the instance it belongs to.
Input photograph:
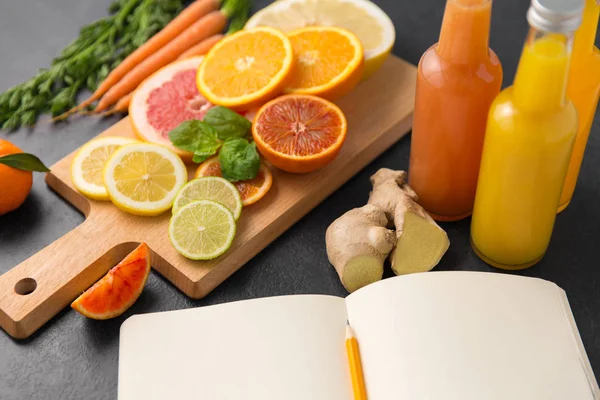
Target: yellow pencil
(356, 373)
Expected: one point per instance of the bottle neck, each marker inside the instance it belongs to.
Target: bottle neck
(541, 81)
(465, 33)
(586, 34)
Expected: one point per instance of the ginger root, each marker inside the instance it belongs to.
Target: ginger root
(359, 242)
(421, 242)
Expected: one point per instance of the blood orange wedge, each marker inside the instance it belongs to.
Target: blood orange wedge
(329, 62)
(112, 295)
(165, 100)
(299, 133)
(251, 190)
(247, 69)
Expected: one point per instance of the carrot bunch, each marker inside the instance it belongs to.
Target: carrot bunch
(193, 32)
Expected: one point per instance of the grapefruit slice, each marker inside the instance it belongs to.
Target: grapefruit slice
(299, 133)
(251, 190)
(112, 295)
(165, 100)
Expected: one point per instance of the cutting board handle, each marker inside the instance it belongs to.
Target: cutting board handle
(38, 288)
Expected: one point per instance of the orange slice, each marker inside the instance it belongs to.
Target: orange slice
(251, 190)
(246, 69)
(112, 295)
(329, 61)
(299, 133)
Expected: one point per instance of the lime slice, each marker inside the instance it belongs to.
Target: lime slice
(210, 188)
(202, 230)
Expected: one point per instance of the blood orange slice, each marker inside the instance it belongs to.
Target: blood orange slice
(251, 190)
(299, 133)
(112, 295)
(165, 100)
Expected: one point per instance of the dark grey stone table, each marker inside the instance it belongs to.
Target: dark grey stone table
(72, 357)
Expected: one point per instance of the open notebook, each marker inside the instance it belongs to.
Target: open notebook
(440, 335)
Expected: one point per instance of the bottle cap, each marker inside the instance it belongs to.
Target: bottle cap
(562, 16)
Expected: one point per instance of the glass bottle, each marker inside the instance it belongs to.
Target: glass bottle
(529, 139)
(457, 81)
(583, 89)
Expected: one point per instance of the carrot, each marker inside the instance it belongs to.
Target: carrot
(179, 24)
(201, 48)
(209, 25)
(122, 106)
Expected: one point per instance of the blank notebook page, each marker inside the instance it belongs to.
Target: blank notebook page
(289, 347)
(469, 336)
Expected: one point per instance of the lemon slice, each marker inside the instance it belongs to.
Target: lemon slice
(144, 178)
(202, 230)
(367, 21)
(210, 188)
(88, 163)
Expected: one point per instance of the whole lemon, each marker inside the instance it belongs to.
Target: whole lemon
(15, 184)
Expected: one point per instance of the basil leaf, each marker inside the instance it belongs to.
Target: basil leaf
(239, 160)
(197, 137)
(228, 124)
(24, 161)
(202, 155)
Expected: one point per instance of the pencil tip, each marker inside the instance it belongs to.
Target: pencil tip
(349, 332)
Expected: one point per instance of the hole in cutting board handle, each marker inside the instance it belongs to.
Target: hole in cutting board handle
(25, 286)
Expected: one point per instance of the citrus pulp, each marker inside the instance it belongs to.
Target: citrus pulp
(362, 17)
(329, 62)
(250, 190)
(210, 188)
(299, 133)
(246, 69)
(112, 295)
(88, 164)
(165, 100)
(144, 178)
(202, 230)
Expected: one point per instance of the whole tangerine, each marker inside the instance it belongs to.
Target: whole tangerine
(15, 184)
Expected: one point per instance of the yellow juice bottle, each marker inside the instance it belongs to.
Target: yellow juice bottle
(528, 143)
(583, 89)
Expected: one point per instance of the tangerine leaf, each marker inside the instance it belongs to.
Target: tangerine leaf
(25, 162)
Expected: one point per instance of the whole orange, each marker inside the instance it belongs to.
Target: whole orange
(15, 184)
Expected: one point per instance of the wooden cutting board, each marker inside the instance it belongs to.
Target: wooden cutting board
(379, 113)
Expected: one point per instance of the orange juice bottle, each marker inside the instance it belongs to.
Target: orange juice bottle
(457, 80)
(528, 143)
(583, 89)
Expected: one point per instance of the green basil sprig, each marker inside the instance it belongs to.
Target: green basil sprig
(196, 137)
(239, 160)
(225, 132)
(227, 123)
